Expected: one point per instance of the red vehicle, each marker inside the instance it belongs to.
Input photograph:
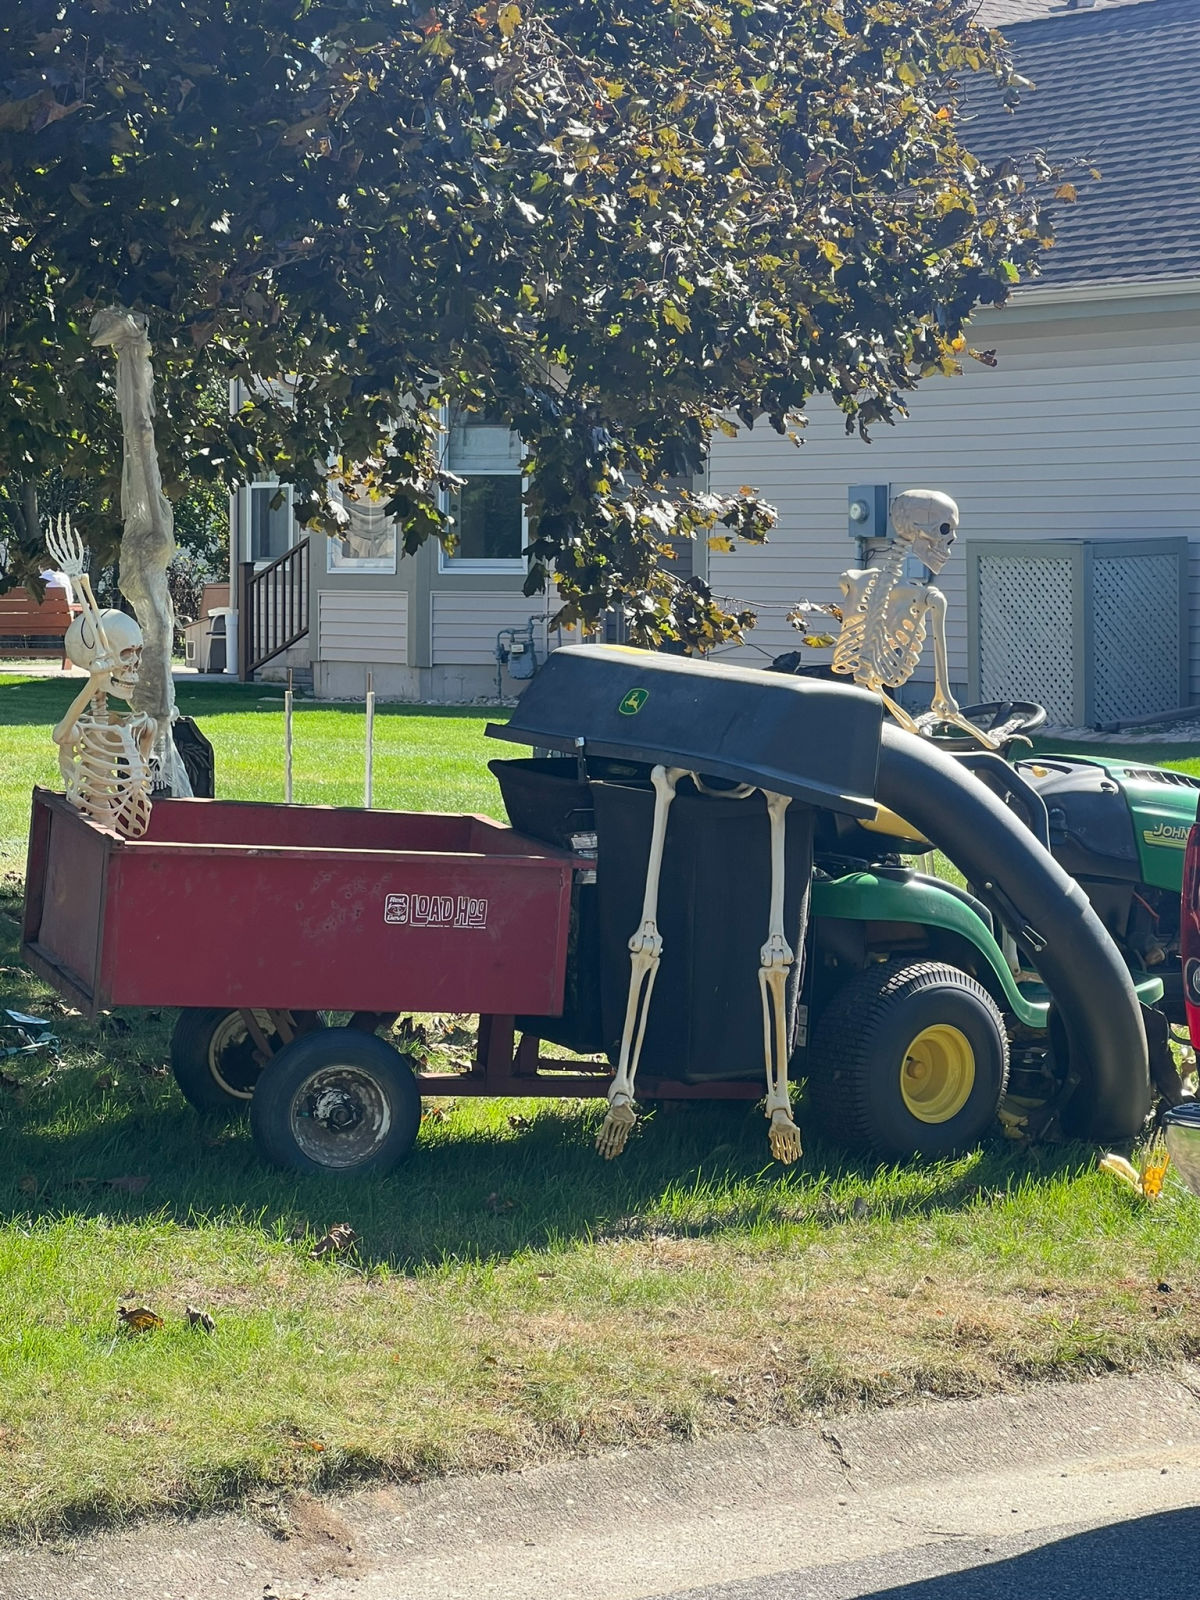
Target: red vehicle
(259, 920)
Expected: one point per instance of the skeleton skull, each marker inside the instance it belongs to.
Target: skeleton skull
(123, 657)
(925, 521)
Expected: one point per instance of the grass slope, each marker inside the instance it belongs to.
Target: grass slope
(512, 1296)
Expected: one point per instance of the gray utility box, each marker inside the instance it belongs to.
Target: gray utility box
(1096, 630)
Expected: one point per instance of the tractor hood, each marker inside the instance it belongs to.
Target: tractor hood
(813, 740)
(1115, 819)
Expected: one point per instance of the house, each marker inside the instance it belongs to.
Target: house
(1075, 461)
(430, 626)
(1088, 427)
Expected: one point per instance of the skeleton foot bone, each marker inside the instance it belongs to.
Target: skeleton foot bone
(645, 950)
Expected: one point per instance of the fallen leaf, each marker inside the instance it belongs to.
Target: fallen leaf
(307, 1444)
(335, 1243)
(520, 1123)
(127, 1184)
(138, 1319)
(200, 1319)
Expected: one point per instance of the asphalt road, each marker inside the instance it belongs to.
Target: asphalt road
(1061, 1493)
(1156, 1557)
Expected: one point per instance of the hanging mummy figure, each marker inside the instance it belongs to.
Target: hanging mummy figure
(104, 756)
(645, 952)
(885, 618)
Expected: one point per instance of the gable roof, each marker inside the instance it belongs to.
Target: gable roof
(1118, 87)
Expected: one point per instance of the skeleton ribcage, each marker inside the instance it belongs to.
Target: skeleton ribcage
(110, 783)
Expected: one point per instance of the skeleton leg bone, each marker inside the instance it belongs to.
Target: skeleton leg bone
(645, 950)
(777, 957)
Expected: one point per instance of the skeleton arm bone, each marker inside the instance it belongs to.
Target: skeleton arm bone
(944, 707)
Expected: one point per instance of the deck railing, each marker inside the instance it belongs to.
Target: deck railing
(273, 608)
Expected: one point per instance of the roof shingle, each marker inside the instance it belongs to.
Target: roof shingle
(1118, 88)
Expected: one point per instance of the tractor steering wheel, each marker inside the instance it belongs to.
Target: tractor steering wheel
(1002, 720)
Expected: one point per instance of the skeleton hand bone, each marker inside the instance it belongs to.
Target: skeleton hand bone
(65, 548)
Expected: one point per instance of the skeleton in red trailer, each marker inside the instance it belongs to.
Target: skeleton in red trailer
(105, 757)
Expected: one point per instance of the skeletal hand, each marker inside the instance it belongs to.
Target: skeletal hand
(65, 548)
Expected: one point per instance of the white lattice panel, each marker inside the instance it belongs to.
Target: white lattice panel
(1135, 638)
(1025, 633)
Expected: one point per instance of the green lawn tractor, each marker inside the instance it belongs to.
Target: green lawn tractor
(922, 992)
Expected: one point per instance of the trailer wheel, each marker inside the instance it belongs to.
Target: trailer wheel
(214, 1059)
(338, 1101)
(909, 1059)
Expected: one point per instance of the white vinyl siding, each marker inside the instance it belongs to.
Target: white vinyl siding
(363, 625)
(1088, 428)
(464, 625)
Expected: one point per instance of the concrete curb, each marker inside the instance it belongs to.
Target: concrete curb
(651, 1522)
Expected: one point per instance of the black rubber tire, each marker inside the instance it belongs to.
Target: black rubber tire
(212, 1075)
(363, 1081)
(860, 1045)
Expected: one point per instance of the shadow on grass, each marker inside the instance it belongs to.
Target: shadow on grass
(105, 1134)
(482, 1184)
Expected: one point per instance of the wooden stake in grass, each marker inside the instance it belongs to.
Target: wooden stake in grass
(287, 741)
(369, 781)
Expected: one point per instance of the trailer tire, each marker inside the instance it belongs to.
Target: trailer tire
(909, 1059)
(339, 1102)
(213, 1057)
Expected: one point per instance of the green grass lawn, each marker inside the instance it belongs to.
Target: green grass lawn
(512, 1297)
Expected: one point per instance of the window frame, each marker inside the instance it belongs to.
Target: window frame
(466, 566)
(246, 494)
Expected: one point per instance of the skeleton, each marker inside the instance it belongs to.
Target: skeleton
(645, 950)
(885, 618)
(105, 757)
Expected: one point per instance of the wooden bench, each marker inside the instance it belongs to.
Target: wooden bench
(28, 629)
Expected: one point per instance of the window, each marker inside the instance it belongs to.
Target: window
(268, 526)
(486, 512)
(368, 540)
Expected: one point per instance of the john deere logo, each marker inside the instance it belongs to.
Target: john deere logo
(1173, 838)
(633, 702)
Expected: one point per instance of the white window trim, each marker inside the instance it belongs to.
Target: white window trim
(508, 566)
(245, 496)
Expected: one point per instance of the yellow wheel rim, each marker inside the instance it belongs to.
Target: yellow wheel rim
(938, 1073)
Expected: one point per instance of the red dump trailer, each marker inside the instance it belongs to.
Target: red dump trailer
(259, 920)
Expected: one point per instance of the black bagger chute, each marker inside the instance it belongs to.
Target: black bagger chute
(614, 714)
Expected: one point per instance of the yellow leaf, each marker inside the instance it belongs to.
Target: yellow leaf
(722, 542)
(138, 1319)
(508, 20)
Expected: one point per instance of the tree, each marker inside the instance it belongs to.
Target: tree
(621, 224)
